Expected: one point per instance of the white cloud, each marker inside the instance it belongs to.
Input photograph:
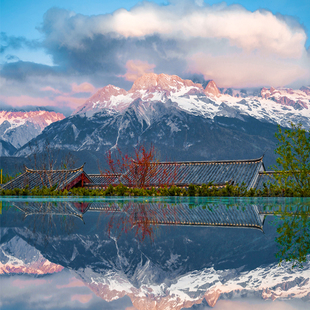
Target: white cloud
(229, 44)
(252, 31)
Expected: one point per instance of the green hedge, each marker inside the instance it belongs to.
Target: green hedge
(204, 190)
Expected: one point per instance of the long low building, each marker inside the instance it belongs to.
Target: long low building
(250, 173)
(182, 174)
(60, 179)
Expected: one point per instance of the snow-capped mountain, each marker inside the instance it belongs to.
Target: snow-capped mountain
(19, 127)
(279, 106)
(270, 283)
(183, 120)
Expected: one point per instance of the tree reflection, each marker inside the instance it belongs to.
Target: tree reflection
(293, 235)
(139, 218)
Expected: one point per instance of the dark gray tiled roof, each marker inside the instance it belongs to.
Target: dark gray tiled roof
(104, 179)
(48, 178)
(268, 178)
(184, 173)
(265, 177)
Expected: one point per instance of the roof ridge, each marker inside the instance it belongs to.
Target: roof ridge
(270, 172)
(208, 161)
(56, 170)
(103, 175)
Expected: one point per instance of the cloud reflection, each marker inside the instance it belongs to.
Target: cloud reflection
(52, 292)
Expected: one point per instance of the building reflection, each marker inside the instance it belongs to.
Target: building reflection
(143, 217)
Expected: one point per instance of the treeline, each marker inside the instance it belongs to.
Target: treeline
(205, 190)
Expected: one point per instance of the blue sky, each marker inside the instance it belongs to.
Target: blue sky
(57, 53)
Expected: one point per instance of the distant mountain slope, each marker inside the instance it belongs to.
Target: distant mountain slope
(19, 127)
(6, 148)
(175, 133)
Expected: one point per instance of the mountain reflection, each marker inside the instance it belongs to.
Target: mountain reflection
(170, 254)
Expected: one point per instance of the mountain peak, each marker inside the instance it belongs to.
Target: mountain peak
(105, 93)
(161, 82)
(211, 89)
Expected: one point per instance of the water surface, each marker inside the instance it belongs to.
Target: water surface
(153, 252)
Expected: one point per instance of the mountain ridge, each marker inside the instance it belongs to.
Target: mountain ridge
(280, 106)
(19, 127)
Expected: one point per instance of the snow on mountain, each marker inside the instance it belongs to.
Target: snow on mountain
(17, 256)
(298, 99)
(149, 87)
(20, 127)
(271, 282)
(280, 106)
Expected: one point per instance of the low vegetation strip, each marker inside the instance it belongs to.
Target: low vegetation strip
(205, 190)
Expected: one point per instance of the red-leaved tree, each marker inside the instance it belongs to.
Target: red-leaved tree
(141, 170)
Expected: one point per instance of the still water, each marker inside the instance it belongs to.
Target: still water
(154, 253)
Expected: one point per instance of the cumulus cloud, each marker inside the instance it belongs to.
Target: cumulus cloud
(229, 44)
(202, 37)
(136, 68)
(259, 30)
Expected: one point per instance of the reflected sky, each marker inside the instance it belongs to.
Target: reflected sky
(170, 253)
(56, 291)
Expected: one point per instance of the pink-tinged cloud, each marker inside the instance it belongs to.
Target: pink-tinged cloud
(82, 298)
(136, 68)
(239, 70)
(83, 88)
(61, 100)
(73, 283)
(25, 283)
(19, 101)
(51, 89)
